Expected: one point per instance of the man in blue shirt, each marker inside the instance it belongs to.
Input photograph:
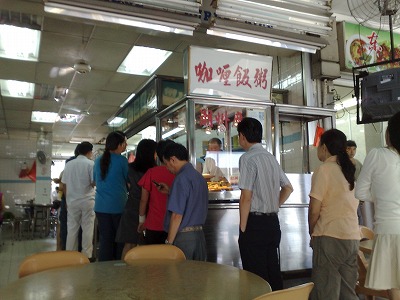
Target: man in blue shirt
(187, 204)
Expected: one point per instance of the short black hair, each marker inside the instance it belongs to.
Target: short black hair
(162, 144)
(251, 129)
(177, 150)
(85, 148)
(351, 143)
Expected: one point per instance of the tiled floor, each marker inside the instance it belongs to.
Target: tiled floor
(12, 253)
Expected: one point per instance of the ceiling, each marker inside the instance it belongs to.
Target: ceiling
(96, 95)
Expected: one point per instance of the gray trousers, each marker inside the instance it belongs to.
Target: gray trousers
(335, 268)
(193, 244)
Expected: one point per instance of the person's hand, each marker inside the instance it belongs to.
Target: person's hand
(163, 188)
(311, 242)
(141, 227)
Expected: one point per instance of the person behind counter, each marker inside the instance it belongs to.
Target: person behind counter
(210, 166)
(379, 182)
(264, 188)
(187, 204)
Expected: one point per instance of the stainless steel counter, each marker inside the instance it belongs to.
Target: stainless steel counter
(222, 227)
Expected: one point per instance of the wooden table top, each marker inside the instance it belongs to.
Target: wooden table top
(367, 246)
(143, 280)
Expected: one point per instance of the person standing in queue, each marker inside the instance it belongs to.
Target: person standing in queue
(153, 204)
(111, 179)
(351, 151)
(79, 192)
(379, 183)
(333, 222)
(264, 188)
(144, 160)
(187, 204)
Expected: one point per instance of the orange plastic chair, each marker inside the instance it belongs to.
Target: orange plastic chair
(362, 274)
(168, 252)
(366, 233)
(300, 292)
(50, 260)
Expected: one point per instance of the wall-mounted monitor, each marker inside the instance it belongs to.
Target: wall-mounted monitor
(380, 95)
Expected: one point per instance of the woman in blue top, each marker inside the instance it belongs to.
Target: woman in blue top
(111, 178)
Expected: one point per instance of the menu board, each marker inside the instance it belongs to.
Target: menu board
(365, 46)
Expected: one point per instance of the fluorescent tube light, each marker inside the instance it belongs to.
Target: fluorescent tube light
(17, 89)
(143, 60)
(103, 16)
(44, 117)
(263, 41)
(127, 100)
(172, 132)
(345, 104)
(116, 121)
(19, 43)
(299, 16)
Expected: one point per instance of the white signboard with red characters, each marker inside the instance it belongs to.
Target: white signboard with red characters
(228, 74)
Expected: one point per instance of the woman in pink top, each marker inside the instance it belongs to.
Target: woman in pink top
(153, 203)
(333, 222)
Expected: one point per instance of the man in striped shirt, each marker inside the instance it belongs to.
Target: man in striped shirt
(264, 188)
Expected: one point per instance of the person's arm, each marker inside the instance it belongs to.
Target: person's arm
(174, 224)
(144, 200)
(285, 192)
(244, 208)
(314, 210)
(364, 180)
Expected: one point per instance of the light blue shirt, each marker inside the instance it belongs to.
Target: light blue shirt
(261, 173)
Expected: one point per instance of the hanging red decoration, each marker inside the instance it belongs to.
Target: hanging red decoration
(206, 117)
(238, 118)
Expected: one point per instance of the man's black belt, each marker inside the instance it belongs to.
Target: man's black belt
(257, 213)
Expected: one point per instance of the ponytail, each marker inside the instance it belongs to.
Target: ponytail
(335, 142)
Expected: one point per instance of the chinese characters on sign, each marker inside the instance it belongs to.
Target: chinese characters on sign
(241, 76)
(230, 74)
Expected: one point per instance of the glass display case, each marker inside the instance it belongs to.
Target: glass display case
(195, 121)
(156, 94)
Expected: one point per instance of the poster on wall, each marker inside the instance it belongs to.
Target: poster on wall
(229, 74)
(364, 46)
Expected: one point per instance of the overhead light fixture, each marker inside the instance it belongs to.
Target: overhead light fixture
(260, 40)
(19, 43)
(69, 118)
(78, 140)
(345, 104)
(172, 132)
(266, 36)
(143, 60)
(301, 16)
(44, 117)
(116, 121)
(127, 100)
(120, 18)
(17, 89)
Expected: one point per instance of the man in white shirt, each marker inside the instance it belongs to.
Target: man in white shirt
(210, 166)
(79, 189)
